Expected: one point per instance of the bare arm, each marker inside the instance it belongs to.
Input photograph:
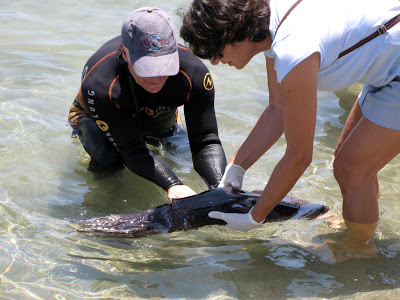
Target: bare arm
(269, 127)
(299, 114)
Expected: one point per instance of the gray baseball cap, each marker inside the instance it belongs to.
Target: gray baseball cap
(151, 38)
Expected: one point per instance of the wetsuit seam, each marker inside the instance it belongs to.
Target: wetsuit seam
(110, 92)
(190, 84)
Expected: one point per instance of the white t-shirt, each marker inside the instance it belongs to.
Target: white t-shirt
(330, 27)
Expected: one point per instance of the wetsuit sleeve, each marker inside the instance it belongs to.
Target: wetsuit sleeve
(208, 155)
(122, 131)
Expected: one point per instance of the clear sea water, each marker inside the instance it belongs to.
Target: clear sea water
(44, 182)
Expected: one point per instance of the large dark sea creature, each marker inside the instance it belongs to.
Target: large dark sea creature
(192, 213)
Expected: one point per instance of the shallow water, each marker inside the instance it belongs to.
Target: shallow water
(44, 182)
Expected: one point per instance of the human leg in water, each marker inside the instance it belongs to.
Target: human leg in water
(105, 158)
(354, 117)
(366, 150)
(352, 120)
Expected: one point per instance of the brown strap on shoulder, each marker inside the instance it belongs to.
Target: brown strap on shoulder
(381, 31)
(287, 13)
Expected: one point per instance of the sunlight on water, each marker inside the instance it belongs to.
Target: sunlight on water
(44, 183)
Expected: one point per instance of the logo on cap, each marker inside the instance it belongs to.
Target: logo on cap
(154, 42)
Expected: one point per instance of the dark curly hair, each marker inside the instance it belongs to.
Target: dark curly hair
(210, 25)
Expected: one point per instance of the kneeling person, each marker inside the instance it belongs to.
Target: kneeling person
(131, 89)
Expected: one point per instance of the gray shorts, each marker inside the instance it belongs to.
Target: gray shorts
(381, 105)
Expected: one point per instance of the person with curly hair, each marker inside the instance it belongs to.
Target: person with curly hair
(310, 45)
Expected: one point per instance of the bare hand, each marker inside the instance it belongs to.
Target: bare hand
(180, 191)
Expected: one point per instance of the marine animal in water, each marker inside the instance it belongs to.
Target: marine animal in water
(192, 213)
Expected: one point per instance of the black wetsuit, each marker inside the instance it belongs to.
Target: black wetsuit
(113, 115)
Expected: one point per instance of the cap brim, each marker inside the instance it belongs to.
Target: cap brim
(155, 66)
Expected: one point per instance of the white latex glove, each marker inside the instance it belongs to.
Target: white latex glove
(180, 191)
(233, 177)
(241, 222)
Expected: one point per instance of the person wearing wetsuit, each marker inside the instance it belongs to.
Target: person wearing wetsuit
(131, 89)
